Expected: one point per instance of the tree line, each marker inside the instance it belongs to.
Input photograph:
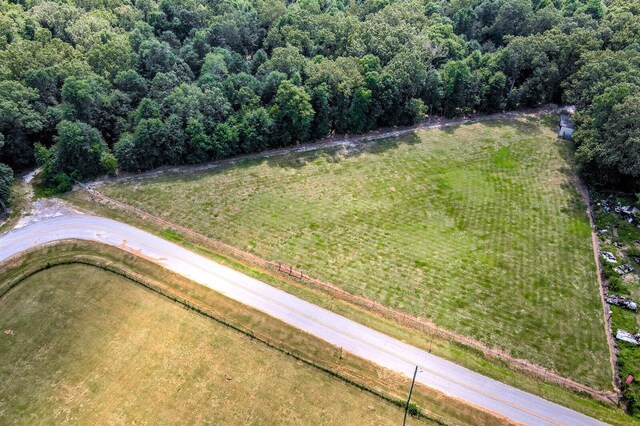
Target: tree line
(90, 87)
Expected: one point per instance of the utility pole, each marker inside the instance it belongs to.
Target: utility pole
(406, 408)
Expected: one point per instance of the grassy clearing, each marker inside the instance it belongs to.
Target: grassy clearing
(476, 227)
(91, 347)
(105, 326)
(422, 338)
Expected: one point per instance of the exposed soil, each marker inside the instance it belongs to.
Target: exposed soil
(45, 208)
(595, 242)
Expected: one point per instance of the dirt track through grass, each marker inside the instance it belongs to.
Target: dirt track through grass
(476, 227)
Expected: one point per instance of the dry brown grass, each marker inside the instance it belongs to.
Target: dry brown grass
(90, 346)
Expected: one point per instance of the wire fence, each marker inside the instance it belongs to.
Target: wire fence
(415, 322)
(345, 374)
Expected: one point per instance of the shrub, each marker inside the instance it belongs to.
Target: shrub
(629, 363)
(631, 395)
(6, 180)
(62, 182)
(633, 252)
(617, 286)
(607, 272)
(413, 410)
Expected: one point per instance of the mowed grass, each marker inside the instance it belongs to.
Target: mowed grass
(477, 227)
(90, 347)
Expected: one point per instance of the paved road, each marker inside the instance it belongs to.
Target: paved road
(435, 372)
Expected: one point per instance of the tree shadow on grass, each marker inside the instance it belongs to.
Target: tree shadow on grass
(524, 124)
(529, 125)
(336, 154)
(297, 160)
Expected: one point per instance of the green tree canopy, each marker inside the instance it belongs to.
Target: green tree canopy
(292, 113)
(80, 151)
(196, 80)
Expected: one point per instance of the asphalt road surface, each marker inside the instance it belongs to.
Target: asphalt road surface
(364, 342)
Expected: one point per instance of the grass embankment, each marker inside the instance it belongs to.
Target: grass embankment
(19, 203)
(476, 227)
(90, 345)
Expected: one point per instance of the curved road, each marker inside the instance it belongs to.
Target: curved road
(364, 342)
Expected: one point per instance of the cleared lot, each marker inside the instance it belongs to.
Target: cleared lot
(87, 346)
(476, 227)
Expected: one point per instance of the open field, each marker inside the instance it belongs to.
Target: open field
(423, 338)
(476, 227)
(284, 345)
(91, 346)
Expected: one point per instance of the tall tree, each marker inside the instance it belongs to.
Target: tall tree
(18, 120)
(80, 152)
(292, 113)
(6, 179)
(457, 79)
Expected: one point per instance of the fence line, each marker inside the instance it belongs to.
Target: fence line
(203, 310)
(362, 301)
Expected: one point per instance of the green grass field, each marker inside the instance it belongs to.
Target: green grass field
(477, 227)
(92, 347)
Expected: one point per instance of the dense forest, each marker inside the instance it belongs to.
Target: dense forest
(89, 87)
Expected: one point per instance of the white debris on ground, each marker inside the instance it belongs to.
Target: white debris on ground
(26, 179)
(621, 301)
(608, 256)
(623, 269)
(29, 176)
(46, 208)
(630, 210)
(625, 336)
